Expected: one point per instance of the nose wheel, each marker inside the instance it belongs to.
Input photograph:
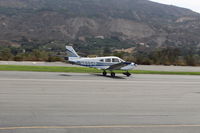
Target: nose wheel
(127, 74)
(112, 74)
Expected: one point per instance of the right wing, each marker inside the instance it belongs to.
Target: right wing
(118, 66)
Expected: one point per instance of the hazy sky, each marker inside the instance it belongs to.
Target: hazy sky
(191, 4)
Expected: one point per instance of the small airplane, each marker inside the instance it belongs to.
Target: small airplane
(109, 63)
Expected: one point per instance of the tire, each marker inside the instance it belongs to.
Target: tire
(128, 75)
(104, 73)
(112, 74)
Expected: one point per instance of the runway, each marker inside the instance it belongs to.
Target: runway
(139, 67)
(42, 102)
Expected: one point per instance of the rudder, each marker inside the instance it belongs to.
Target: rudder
(71, 52)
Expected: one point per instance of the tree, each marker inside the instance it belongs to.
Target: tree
(106, 51)
(190, 60)
(6, 54)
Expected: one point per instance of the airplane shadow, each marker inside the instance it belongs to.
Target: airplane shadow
(65, 75)
(116, 77)
(94, 74)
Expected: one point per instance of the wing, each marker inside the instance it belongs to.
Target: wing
(118, 66)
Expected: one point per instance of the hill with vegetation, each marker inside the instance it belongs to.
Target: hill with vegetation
(138, 30)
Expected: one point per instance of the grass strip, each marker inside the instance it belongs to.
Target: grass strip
(82, 70)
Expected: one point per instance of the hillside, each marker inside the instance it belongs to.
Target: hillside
(137, 24)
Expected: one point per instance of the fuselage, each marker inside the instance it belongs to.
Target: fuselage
(101, 62)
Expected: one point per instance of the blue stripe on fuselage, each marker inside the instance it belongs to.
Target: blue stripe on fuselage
(101, 64)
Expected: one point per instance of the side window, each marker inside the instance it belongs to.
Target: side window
(108, 60)
(115, 60)
(102, 60)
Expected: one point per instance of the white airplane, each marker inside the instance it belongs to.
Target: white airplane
(109, 63)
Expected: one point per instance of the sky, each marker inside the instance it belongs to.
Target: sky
(190, 4)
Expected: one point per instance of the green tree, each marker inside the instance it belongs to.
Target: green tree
(190, 60)
(36, 55)
(5, 54)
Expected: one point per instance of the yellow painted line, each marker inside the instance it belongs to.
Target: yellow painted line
(100, 81)
(90, 127)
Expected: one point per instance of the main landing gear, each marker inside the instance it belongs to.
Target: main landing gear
(104, 73)
(112, 74)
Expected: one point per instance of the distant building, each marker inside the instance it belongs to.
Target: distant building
(99, 37)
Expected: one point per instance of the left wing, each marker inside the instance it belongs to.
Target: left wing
(118, 66)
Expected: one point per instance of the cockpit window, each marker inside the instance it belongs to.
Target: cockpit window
(108, 60)
(122, 60)
(115, 60)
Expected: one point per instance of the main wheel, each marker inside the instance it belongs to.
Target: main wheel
(104, 73)
(112, 74)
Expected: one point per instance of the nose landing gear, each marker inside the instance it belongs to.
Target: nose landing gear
(112, 74)
(127, 74)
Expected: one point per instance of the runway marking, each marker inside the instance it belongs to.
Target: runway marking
(91, 127)
(101, 81)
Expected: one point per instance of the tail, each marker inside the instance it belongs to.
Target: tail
(71, 53)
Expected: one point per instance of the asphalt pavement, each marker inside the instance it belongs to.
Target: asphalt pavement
(43, 102)
(139, 67)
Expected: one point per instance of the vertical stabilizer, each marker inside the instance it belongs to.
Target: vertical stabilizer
(71, 52)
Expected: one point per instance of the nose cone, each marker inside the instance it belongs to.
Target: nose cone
(129, 66)
(133, 64)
